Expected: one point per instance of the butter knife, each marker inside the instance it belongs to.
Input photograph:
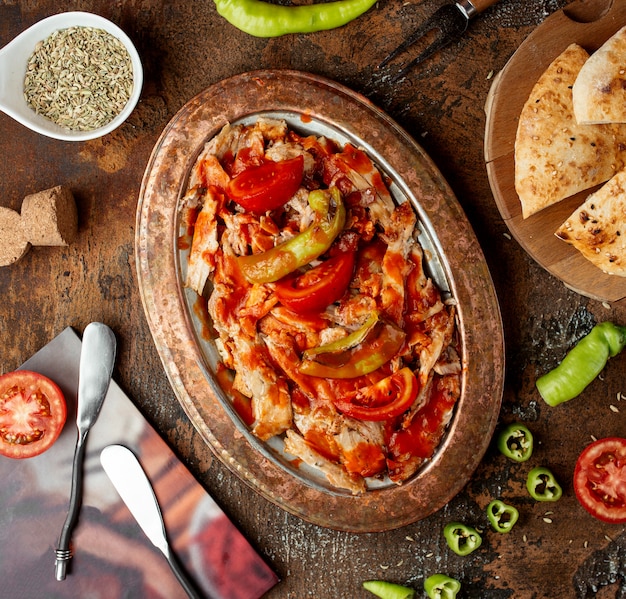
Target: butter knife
(131, 482)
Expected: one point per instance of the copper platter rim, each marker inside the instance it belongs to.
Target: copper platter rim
(316, 99)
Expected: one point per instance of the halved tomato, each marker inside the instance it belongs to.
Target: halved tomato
(267, 186)
(318, 287)
(600, 479)
(32, 413)
(383, 400)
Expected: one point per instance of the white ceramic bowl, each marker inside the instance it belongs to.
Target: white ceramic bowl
(14, 59)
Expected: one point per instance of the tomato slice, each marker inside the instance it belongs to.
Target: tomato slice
(600, 479)
(32, 413)
(318, 287)
(267, 186)
(388, 398)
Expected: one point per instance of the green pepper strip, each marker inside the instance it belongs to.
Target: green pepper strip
(582, 364)
(279, 261)
(542, 485)
(440, 586)
(516, 442)
(462, 539)
(502, 516)
(346, 342)
(263, 19)
(388, 590)
(382, 343)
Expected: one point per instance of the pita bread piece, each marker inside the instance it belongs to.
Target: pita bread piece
(599, 92)
(555, 157)
(598, 228)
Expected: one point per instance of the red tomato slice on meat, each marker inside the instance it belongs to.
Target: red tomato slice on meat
(600, 479)
(32, 413)
(388, 398)
(318, 287)
(267, 186)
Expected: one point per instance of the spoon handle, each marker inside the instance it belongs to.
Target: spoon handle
(63, 552)
(181, 576)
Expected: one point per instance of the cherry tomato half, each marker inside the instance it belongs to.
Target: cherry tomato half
(383, 400)
(267, 186)
(318, 287)
(32, 413)
(600, 479)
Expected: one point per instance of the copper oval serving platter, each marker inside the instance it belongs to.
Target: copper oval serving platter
(588, 25)
(312, 104)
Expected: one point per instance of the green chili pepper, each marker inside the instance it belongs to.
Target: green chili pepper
(279, 261)
(263, 19)
(388, 590)
(516, 442)
(542, 485)
(582, 364)
(440, 586)
(462, 539)
(502, 516)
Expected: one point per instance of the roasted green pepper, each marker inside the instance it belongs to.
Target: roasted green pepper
(502, 516)
(440, 586)
(388, 590)
(381, 343)
(516, 442)
(263, 19)
(582, 364)
(542, 485)
(279, 261)
(462, 539)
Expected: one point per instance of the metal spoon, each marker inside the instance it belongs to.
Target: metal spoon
(96, 367)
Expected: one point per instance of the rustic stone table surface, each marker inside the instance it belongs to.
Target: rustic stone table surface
(187, 46)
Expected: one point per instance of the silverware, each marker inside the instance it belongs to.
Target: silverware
(131, 482)
(449, 22)
(96, 368)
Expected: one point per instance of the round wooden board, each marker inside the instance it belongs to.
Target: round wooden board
(588, 24)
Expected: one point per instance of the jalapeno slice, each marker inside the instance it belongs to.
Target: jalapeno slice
(516, 442)
(462, 539)
(502, 516)
(542, 485)
(440, 586)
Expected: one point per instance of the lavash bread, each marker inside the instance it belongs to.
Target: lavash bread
(555, 157)
(597, 229)
(599, 92)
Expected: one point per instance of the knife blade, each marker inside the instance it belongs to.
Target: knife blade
(129, 479)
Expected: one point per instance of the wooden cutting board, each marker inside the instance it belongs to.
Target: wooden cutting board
(588, 23)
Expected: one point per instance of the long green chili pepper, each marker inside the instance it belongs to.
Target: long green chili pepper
(542, 485)
(263, 19)
(388, 590)
(462, 539)
(440, 586)
(515, 441)
(502, 516)
(582, 364)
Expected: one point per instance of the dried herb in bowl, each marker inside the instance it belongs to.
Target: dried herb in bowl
(80, 78)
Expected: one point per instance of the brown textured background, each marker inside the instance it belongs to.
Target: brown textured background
(185, 47)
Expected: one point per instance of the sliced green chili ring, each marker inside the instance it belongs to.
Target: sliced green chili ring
(516, 442)
(582, 364)
(542, 485)
(388, 590)
(263, 19)
(502, 516)
(279, 261)
(440, 586)
(462, 539)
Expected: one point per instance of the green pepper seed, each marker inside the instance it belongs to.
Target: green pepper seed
(440, 586)
(542, 485)
(263, 19)
(582, 364)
